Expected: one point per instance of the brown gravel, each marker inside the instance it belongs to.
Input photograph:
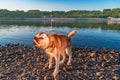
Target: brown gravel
(19, 62)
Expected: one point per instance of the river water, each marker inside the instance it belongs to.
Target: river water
(86, 37)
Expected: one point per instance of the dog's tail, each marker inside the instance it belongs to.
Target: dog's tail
(71, 34)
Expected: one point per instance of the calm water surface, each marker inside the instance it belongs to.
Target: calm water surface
(85, 37)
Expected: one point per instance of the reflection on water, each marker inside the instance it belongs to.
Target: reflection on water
(86, 37)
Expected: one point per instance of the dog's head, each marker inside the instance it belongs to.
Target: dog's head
(41, 40)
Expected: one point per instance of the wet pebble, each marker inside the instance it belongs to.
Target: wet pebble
(98, 74)
(115, 78)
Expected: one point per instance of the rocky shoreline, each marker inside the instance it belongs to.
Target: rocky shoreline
(20, 62)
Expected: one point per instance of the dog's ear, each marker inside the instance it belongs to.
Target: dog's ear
(44, 39)
(43, 35)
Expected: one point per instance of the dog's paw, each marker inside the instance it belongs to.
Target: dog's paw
(54, 75)
(50, 66)
(68, 63)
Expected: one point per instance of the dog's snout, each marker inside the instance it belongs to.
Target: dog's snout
(35, 38)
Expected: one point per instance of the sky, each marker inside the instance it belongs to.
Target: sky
(59, 5)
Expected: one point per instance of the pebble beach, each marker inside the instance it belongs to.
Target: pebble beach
(21, 62)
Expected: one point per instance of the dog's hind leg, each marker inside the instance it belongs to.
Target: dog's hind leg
(69, 53)
(63, 59)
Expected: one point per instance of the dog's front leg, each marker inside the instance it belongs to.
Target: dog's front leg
(57, 59)
(50, 62)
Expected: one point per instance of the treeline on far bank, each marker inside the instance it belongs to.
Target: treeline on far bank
(105, 13)
(103, 26)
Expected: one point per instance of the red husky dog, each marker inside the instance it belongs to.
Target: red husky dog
(55, 45)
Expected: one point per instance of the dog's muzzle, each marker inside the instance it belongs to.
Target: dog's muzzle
(35, 40)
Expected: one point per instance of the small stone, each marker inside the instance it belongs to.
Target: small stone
(1, 75)
(98, 74)
(9, 59)
(37, 78)
(103, 64)
(0, 54)
(37, 59)
(19, 77)
(42, 57)
(85, 66)
(45, 78)
(108, 60)
(34, 69)
(78, 72)
(101, 77)
(92, 54)
(64, 69)
(1, 68)
(115, 78)
(112, 51)
(23, 55)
